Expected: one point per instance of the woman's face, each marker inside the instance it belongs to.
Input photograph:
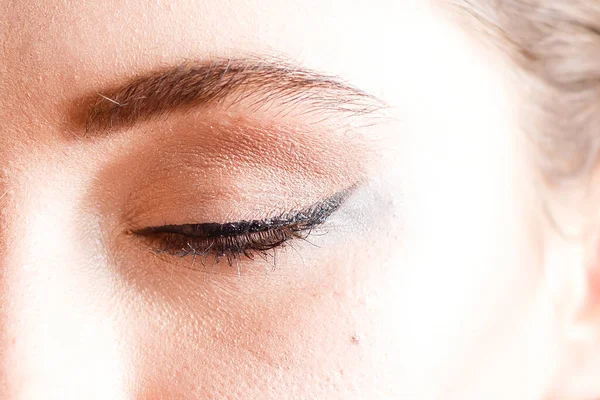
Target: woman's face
(418, 271)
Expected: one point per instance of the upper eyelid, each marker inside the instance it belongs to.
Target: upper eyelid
(303, 219)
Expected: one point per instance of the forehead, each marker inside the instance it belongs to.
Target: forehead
(91, 39)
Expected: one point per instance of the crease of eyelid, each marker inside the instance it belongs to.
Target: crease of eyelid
(223, 84)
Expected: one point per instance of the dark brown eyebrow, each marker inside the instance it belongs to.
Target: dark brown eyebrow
(223, 83)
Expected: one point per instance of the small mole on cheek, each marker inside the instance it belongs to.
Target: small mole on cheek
(354, 339)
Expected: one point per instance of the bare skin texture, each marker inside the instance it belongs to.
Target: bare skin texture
(436, 278)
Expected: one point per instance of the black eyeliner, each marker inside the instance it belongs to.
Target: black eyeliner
(296, 221)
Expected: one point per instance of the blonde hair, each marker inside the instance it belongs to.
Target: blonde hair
(556, 46)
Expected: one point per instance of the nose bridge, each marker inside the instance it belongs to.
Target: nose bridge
(59, 338)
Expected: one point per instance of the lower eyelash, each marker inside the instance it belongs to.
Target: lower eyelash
(256, 241)
(230, 248)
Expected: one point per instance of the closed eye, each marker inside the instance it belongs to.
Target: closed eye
(243, 238)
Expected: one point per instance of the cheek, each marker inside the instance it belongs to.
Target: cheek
(319, 340)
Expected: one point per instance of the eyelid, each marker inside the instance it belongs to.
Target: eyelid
(244, 238)
(306, 218)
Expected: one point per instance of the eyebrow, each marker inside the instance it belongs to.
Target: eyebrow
(224, 83)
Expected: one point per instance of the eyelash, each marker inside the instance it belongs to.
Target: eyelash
(246, 239)
(230, 248)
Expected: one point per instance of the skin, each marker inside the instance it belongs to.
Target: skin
(437, 278)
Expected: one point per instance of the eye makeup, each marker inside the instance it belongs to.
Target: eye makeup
(242, 238)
